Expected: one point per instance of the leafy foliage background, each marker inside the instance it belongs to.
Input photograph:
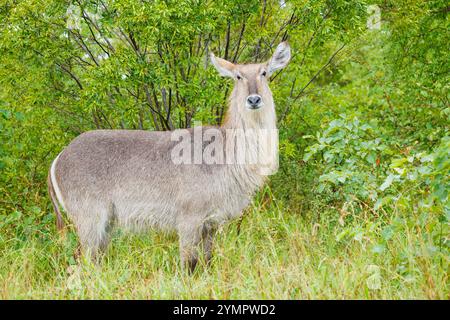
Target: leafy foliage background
(363, 113)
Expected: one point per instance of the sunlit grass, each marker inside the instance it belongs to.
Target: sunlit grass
(272, 253)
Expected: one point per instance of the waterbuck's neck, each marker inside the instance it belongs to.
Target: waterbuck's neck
(258, 130)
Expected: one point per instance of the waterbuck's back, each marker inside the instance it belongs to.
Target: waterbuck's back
(131, 175)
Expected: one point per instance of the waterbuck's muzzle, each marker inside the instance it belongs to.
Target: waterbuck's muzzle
(254, 101)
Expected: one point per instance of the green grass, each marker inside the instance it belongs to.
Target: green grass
(277, 254)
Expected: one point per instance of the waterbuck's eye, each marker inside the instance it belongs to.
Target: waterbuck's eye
(238, 77)
(264, 73)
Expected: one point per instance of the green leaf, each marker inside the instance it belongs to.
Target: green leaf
(387, 183)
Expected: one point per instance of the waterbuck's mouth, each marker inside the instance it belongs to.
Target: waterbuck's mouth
(254, 107)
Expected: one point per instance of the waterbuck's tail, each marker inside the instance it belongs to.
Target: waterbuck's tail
(51, 192)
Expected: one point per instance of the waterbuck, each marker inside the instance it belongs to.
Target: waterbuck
(129, 179)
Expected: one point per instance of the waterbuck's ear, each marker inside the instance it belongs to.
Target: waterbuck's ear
(280, 57)
(225, 68)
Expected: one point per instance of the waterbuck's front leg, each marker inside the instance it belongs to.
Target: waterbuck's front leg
(190, 238)
(208, 233)
(196, 237)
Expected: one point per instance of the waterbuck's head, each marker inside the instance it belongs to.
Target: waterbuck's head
(251, 90)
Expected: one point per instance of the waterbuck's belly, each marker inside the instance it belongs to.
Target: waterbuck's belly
(157, 206)
(143, 215)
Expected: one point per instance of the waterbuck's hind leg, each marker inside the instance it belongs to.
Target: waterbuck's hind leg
(94, 232)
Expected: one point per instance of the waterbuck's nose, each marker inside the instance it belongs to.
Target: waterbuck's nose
(254, 101)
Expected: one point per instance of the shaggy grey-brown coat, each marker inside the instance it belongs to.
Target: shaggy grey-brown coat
(128, 179)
